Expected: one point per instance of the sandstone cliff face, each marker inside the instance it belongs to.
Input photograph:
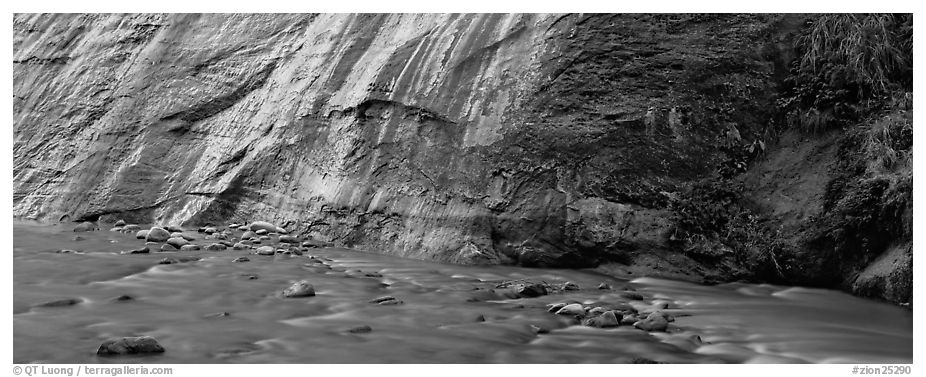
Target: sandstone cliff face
(525, 138)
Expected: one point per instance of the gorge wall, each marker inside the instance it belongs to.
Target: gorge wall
(543, 140)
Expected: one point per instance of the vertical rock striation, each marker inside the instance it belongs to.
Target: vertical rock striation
(466, 138)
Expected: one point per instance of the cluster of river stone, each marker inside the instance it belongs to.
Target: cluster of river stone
(173, 238)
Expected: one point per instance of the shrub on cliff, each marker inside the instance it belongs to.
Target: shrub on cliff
(848, 67)
(715, 223)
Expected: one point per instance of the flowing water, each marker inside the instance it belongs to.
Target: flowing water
(182, 306)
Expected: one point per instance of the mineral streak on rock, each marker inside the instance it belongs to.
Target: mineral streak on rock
(465, 138)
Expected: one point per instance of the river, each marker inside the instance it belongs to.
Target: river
(216, 311)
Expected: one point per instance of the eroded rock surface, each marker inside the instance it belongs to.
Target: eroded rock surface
(543, 140)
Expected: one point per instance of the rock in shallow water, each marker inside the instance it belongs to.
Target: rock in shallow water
(85, 226)
(266, 227)
(360, 329)
(142, 234)
(216, 247)
(241, 259)
(156, 234)
(530, 290)
(189, 247)
(386, 300)
(266, 250)
(122, 298)
(141, 250)
(130, 346)
(177, 242)
(653, 322)
(299, 289)
(572, 309)
(289, 239)
(605, 320)
(553, 308)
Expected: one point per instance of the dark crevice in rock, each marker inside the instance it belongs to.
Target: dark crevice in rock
(95, 216)
(218, 104)
(58, 60)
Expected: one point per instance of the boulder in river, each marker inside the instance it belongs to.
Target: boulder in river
(572, 309)
(122, 298)
(243, 228)
(240, 246)
(216, 247)
(142, 234)
(181, 235)
(629, 319)
(553, 308)
(119, 223)
(653, 322)
(117, 229)
(156, 234)
(570, 286)
(173, 228)
(241, 259)
(177, 242)
(261, 232)
(189, 247)
(248, 234)
(210, 230)
(130, 346)
(299, 289)
(289, 239)
(530, 289)
(141, 250)
(266, 250)
(86, 226)
(360, 329)
(168, 247)
(604, 320)
(131, 228)
(265, 226)
(316, 243)
(168, 261)
(598, 310)
(604, 286)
